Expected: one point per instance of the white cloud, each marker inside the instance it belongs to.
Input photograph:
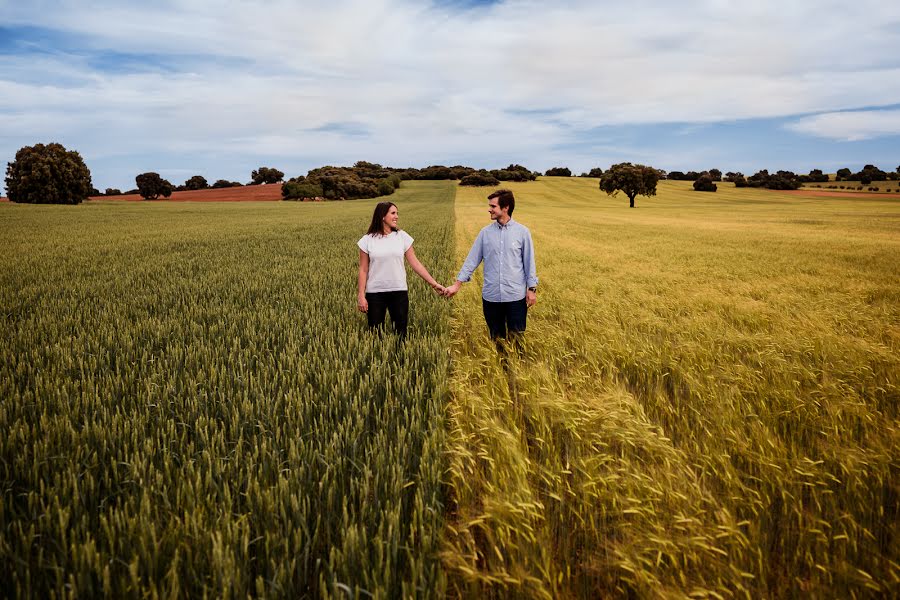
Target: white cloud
(429, 82)
(850, 126)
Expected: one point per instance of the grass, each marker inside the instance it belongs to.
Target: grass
(707, 404)
(192, 406)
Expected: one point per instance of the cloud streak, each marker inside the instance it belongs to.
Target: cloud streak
(851, 126)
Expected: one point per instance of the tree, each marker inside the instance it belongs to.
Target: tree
(266, 175)
(634, 180)
(715, 174)
(675, 175)
(869, 174)
(815, 176)
(151, 186)
(197, 182)
(113, 192)
(559, 172)
(705, 183)
(595, 172)
(48, 174)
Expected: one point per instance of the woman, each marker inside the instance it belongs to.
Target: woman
(382, 274)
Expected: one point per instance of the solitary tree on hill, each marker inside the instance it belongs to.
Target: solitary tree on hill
(634, 180)
(48, 174)
(151, 186)
(266, 175)
(197, 182)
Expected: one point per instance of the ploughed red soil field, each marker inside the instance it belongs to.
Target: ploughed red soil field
(840, 194)
(247, 193)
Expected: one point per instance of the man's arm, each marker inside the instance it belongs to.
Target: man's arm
(531, 278)
(476, 255)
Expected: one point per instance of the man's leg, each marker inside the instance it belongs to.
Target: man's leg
(377, 309)
(516, 316)
(398, 305)
(495, 317)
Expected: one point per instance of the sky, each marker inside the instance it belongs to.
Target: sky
(196, 87)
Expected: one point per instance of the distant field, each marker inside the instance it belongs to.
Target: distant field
(708, 403)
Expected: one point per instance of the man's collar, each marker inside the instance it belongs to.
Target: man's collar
(508, 223)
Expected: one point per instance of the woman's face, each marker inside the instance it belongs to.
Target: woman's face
(391, 218)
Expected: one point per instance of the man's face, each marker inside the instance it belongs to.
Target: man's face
(495, 210)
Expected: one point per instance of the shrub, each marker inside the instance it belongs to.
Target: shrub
(113, 192)
(224, 183)
(48, 174)
(385, 187)
(705, 183)
(151, 186)
(294, 190)
(479, 179)
(558, 172)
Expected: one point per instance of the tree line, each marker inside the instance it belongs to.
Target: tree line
(48, 173)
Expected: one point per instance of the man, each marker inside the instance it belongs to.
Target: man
(510, 277)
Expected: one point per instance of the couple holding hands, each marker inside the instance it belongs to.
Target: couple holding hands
(505, 247)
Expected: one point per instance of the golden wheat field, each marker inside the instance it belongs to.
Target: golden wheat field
(706, 404)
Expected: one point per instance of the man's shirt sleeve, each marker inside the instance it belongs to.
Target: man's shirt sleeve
(476, 254)
(531, 277)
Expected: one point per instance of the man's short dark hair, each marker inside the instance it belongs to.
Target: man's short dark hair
(505, 199)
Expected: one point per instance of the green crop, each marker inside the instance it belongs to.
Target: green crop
(193, 407)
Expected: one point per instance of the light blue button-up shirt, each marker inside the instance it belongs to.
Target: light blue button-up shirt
(508, 255)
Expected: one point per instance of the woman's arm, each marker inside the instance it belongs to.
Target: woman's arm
(361, 301)
(420, 269)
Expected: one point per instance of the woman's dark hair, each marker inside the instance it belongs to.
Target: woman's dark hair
(377, 226)
(505, 199)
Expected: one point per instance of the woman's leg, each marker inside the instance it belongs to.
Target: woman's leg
(378, 304)
(398, 306)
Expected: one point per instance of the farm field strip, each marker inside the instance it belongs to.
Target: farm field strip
(707, 402)
(192, 406)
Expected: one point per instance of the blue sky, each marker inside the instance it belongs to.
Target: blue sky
(186, 87)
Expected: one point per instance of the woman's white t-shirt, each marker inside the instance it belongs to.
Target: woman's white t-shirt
(387, 272)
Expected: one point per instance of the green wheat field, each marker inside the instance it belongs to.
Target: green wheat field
(705, 406)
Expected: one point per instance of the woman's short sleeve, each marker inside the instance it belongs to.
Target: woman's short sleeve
(407, 240)
(363, 243)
